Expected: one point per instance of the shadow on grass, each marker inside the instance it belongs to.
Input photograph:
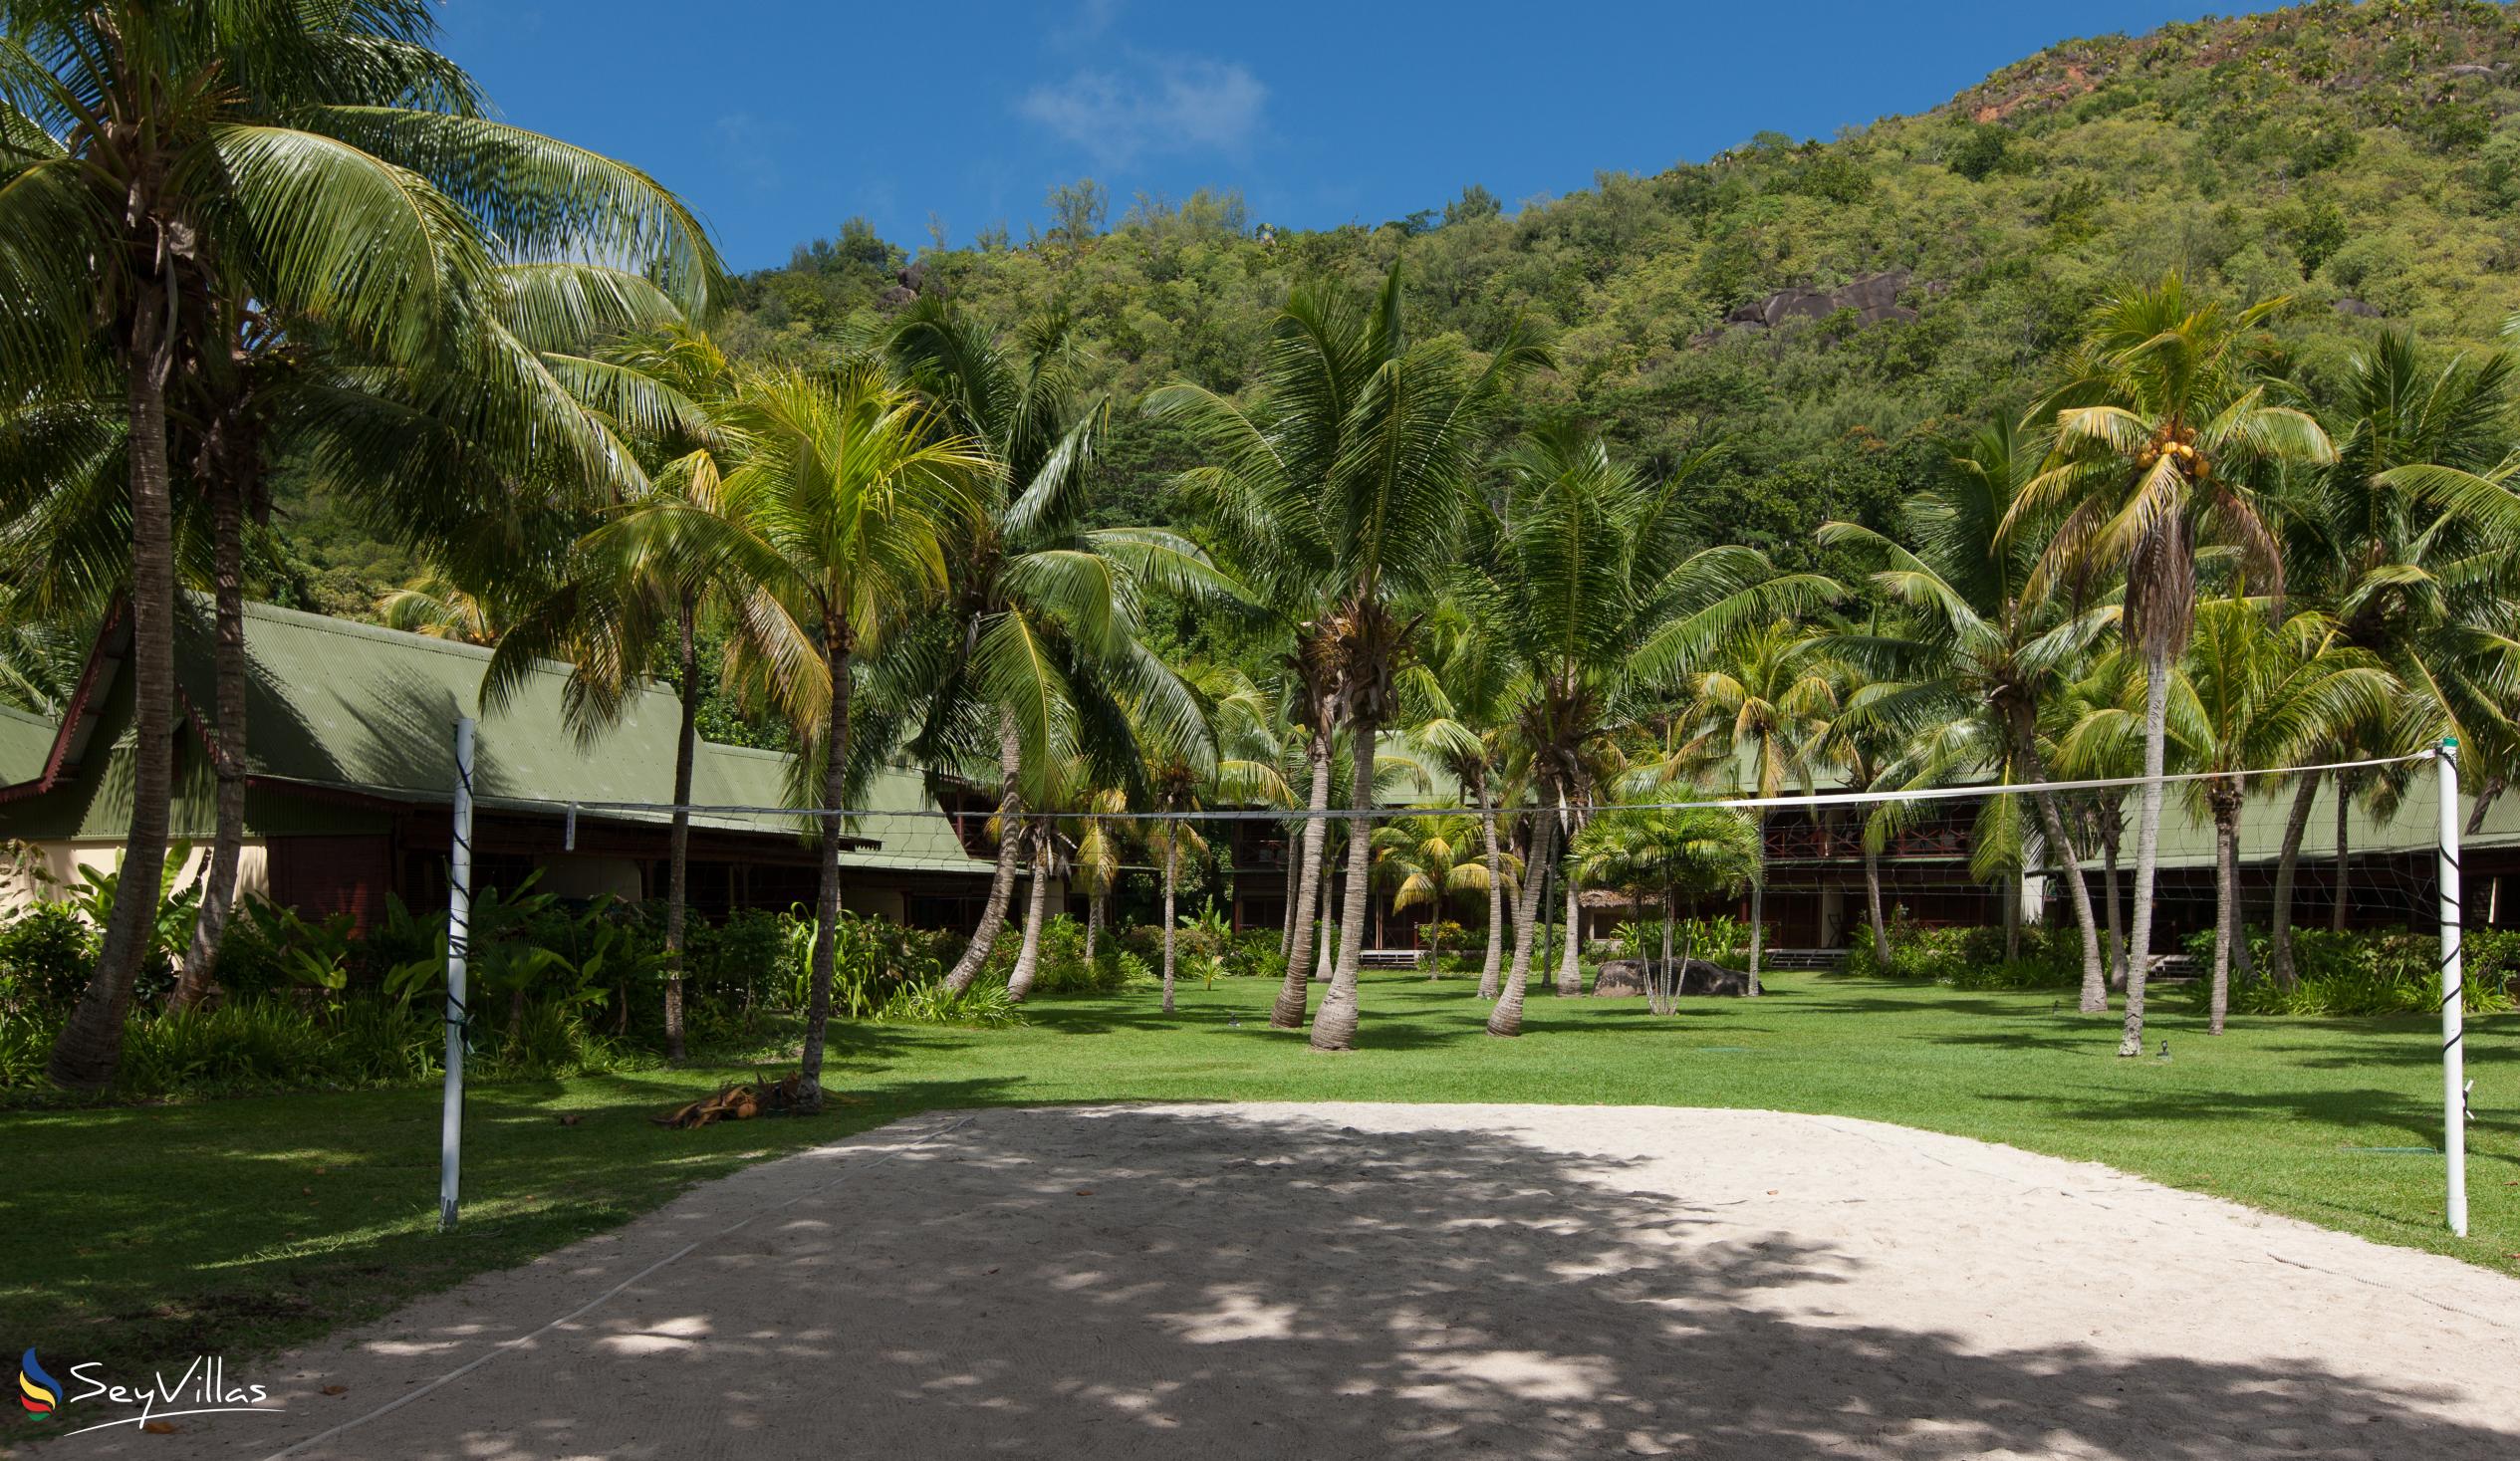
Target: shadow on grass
(1146, 1283)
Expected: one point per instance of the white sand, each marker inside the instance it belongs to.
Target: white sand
(1437, 1281)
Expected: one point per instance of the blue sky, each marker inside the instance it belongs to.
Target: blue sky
(780, 119)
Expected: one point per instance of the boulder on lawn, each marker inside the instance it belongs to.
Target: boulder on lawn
(1627, 977)
(1700, 977)
(1620, 977)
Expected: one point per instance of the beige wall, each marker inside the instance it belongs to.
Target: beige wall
(34, 873)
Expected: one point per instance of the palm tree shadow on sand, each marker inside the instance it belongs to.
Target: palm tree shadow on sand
(1121, 1281)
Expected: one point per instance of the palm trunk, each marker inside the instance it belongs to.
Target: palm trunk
(2012, 914)
(2147, 841)
(2344, 858)
(1294, 895)
(2226, 808)
(1507, 1018)
(1093, 923)
(1010, 843)
(90, 1041)
(2069, 864)
(1488, 969)
(227, 836)
(1171, 874)
(1335, 1023)
(2109, 836)
(1294, 990)
(2279, 933)
(1323, 943)
(1569, 964)
(1759, 902)
(1872, 908)
(1669, 972)
(818, 1007)
(679, 840)
(1019, 982)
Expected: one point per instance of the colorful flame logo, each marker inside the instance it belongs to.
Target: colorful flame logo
(37, 1391)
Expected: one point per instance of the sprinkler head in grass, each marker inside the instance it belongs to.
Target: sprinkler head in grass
(2165, 1052)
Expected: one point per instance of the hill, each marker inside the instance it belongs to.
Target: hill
(1826, 313)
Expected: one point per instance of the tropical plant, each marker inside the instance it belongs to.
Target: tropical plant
(2162, 425)
(165, 166)
(1970, 645)
(1042, 658)
(1669, 850)
(1424, 861)
(832, 523)
(1338, 497)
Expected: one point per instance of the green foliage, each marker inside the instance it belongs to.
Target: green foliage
(1968, 958)
(47, 953)
(2365, 972)
(983, 1006)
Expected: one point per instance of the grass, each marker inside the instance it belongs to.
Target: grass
(144, 1233)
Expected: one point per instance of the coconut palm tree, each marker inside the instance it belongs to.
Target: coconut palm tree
(1761, 711)
(1458, 695)
(2160, 429)
(1972, 643)
(169, 163)
(1340, 496)
(833, 520)
(1044, 639)
(1669, 850)
(1599, 600)
(2253, 694)
(634, 594)
(1424, 862)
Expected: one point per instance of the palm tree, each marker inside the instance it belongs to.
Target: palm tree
(1044, 640)
(1972, 643)
(1669, 850)
(2251, 695)
(2407, 541)
(1425, 860)
(169, 163)
(1232, 758)
(2159, 428)
(833, 521)
(1343, 492)
(634, 594)
(1763, 710)
(1459, 695)
(1598, 600)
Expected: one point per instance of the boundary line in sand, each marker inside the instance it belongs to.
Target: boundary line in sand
(504, 1346)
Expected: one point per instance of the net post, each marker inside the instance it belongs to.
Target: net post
(458, 931)
(2453, 995)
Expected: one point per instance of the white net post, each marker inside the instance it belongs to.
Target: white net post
(458, 929)
(2453, 995)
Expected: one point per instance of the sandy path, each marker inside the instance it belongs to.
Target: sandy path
(1437, 1281)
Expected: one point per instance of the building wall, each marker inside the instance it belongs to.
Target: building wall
(41, 871)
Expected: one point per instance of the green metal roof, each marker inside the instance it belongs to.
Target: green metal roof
(26, 739)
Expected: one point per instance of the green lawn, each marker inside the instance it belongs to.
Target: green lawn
(139, 1233)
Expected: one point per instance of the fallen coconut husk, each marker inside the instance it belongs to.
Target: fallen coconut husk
(743, 1102)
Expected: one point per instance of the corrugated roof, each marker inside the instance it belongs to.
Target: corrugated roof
(26, 739)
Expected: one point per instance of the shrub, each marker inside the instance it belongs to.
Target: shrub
(2363, 972)
(1968, 958)
(983, 1006)
(47, 953)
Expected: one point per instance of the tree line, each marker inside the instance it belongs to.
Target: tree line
(312, 244)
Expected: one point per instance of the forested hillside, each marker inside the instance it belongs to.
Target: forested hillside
(1819, 315)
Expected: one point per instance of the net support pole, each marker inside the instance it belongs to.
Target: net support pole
(2453, 996)
(458, 931)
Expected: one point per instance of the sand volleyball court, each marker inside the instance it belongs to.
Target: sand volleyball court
(1417, 1281)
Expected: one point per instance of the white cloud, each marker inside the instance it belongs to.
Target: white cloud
(1159, 103)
